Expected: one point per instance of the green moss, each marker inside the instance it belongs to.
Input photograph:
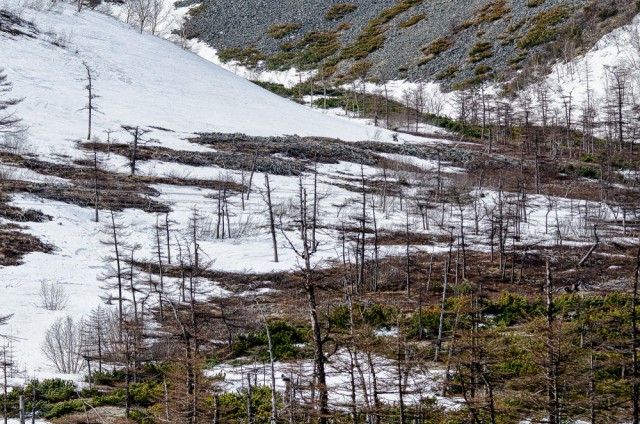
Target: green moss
(412, 21)
(278, 31)
(340, 10)
(534, 3)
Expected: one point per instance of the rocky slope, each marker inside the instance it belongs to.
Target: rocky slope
(445, 40)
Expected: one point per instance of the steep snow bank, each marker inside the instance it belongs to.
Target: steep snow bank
(141, 80)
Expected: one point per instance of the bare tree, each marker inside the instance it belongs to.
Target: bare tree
(272, 226)
(158, 15)
(53, 296)
(142, 12)
(137, 133)
(304, 253)
(90, 107)
(62, 345)
(8, 120)
(114, 278)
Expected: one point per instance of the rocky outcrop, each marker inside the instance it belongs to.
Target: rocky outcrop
(447, 40)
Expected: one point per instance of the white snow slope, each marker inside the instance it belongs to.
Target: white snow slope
(141, 80)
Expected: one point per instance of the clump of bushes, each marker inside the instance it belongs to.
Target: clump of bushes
(248, 56)
(340, 10)
(481, 70)
(285, 337)
(278, 31)
(480, 51)
(372, 37)
(435, 48)
(607, 13)
(448, 73)
(543, 30)
(412, 21)
(313, 48)
(489, 13)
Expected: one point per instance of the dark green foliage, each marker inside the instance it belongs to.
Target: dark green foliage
(314, 47)
(448, 73)
(108, 378)
(284, 337)
(589, 172)
(233, 406)
(278, 89)
(141, 417)
(59, 409)
(430, 318)
(437, 46)
(511, 309)
(373, 316)
(489, 13)
(468, 130)
(481, 70)
(248, 56)
(607, 13)
(116, 397)
(54, 390)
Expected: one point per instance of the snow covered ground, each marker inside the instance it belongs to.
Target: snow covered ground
(141, 80)
(421, 383)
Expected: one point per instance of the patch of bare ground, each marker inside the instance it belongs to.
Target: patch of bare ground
(15, 26)
(15, 244)
(115, 191)
(236, 160)
(13, 213)
(399, 238)
(98, 415)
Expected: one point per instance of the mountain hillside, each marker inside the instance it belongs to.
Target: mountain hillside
(140, 80)
(178, 245)
(395, 39)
